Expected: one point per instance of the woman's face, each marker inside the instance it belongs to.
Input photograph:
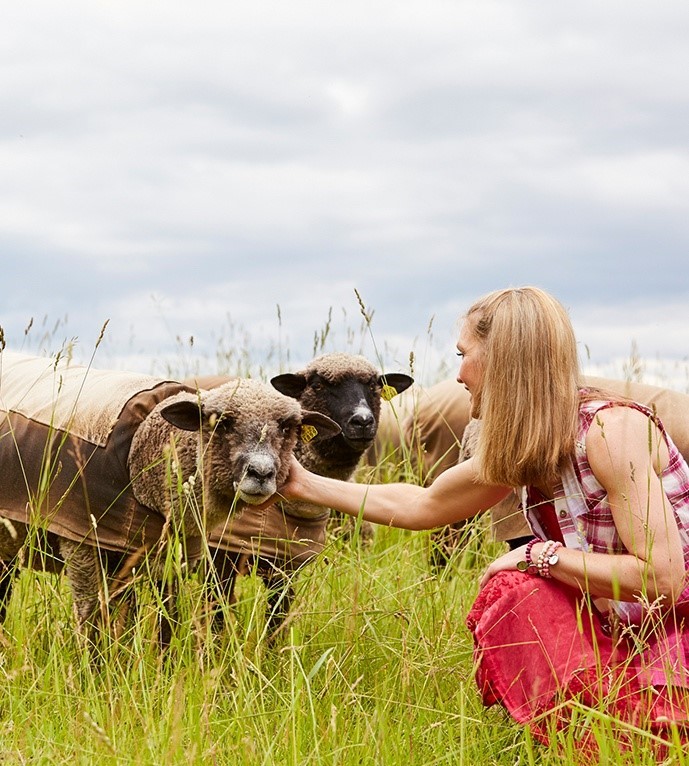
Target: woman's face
(470, 372)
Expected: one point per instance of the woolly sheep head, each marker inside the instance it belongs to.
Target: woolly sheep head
(248, 433)
(348, 389)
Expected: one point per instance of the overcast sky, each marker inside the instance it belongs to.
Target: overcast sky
(184, 168)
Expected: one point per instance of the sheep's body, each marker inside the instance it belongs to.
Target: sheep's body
(283, 537)
(170, 457)
(439, 432)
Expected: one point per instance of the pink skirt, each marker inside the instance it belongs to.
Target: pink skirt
(538, 646)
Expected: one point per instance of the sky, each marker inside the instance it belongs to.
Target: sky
(249, 174)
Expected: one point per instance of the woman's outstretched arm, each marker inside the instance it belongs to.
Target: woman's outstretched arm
(453, 496)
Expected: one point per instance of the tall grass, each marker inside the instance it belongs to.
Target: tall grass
(374, 666)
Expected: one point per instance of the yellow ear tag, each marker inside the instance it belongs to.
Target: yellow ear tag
(388, 392)
(308, 433)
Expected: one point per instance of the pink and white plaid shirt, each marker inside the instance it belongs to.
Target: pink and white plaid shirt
(581, 503)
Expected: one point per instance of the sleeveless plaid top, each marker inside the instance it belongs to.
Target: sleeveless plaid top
(581, 503)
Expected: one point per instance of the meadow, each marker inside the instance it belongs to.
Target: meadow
(374, 665)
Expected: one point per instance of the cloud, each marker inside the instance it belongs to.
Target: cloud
(183, 170)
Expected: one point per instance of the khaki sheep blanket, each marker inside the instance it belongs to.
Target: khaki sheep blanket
(65, 433)
(271, 533)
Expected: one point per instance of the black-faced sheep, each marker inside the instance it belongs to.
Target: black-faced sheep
(281, 538)
(107, 465)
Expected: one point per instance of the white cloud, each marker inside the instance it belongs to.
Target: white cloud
(230, 157)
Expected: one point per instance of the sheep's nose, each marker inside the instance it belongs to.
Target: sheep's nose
(261, 469)
(361, 420)
(362, 425)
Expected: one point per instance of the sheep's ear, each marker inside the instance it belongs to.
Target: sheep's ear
(316, 426)
(184, 414)
(394, 383)
(290, 384)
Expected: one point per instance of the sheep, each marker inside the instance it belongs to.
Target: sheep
(105, 465)
(283, 537)
(439, 432)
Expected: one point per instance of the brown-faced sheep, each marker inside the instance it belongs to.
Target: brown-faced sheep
(106, 466)
(439, 432)
(281, 538)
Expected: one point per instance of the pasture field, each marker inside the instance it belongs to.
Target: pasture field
(374, 667)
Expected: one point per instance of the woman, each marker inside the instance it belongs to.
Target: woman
(594, 605)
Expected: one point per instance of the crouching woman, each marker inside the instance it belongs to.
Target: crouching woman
(595, 608)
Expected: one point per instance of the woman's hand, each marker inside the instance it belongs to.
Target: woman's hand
(296, 482)
(290, 489)
(507, 561)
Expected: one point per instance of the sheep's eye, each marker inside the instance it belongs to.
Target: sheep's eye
(222, 421)
(286, 429)
(318, 383)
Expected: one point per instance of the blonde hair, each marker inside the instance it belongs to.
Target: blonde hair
(529, 393)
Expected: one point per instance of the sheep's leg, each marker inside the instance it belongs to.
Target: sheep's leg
(227, 568)
(280, 598)
(12, 537)
(84, 574)
(167, 615)
(224, 577)
(8, 571)
(125, 609)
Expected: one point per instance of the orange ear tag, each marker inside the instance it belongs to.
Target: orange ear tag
(308, 433)
(388, 392)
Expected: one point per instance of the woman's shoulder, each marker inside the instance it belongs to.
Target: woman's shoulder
(628, 416)
(593, 402)
(622, 433)
(617, 418)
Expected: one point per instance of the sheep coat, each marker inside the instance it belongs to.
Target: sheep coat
(96, 441)
(69, 428)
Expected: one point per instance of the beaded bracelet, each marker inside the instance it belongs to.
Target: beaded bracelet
(527, 550)
(544, 557)
(528, 564)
